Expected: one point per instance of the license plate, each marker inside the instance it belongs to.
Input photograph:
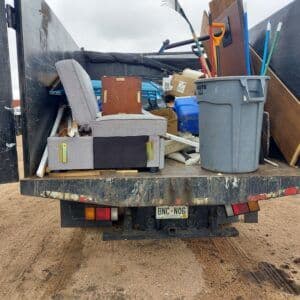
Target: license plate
(172, 212)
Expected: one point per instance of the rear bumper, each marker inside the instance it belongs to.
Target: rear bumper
(158, 190)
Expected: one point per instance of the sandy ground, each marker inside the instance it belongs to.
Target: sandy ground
(39, 260)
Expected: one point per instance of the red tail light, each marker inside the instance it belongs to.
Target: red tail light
(240, 209)
(103, 214)
(291, 191)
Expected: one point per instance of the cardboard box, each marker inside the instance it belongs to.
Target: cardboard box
(182, 86)
(171, 117)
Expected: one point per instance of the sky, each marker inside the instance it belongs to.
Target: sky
(133, 25)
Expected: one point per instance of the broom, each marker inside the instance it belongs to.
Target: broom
(175, 5)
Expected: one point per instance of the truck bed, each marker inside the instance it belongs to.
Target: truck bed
(175, 185)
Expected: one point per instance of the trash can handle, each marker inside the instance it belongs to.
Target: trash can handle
(248, 98)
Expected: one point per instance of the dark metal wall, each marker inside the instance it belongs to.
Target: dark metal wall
(8, 150)
(285, 62)
(42, 41)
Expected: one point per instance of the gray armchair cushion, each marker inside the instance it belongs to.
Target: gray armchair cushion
(79, 91)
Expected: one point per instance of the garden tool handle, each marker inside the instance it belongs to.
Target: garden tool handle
(218, 39)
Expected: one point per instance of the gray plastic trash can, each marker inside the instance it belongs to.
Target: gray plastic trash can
(231, 114)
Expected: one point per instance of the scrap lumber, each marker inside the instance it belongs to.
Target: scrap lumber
(232, 52)
(91, 173)
(205, 31)
(218, 6)
(284, 110)
(74, 174)
(175, 146)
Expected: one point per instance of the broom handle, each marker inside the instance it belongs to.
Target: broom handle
(266, 49)
(274, 46)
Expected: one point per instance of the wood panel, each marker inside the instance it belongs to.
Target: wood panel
(284, 110)
(218, 6)
(121, 95)
(233, 55)
(205, 31)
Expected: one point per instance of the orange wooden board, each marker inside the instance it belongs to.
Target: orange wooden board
(284, 110)
(218, 6)
(205, 31)
(233, 55)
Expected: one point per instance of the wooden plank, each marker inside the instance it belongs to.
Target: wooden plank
(127, 172)
(205, 31)
(218, 6)
(284, 110)
(71, 174)
(173, 147)
(91, 173)
(233, 55)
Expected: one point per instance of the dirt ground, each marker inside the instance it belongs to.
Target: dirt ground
(39, 260)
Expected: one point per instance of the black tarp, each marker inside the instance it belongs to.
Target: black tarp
(148, 66)
(285, 62)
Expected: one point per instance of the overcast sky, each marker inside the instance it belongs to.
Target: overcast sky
(134, 25)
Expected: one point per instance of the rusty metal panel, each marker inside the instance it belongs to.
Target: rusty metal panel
(42, 41)
(8, 149)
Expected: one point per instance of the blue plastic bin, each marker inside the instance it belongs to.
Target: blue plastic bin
(187, 110)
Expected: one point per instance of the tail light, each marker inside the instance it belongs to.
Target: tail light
(240, 209)
(291, 191)
(90, 213)
(253, 206)
(245, 208)
(114, 214)
(103, 214)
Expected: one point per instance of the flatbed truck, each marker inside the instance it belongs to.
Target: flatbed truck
(178, 202)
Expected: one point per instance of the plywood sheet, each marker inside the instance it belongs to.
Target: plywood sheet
(121, 95)
(205, 31)
(218, 6)
(233, 55)
(284, 110)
